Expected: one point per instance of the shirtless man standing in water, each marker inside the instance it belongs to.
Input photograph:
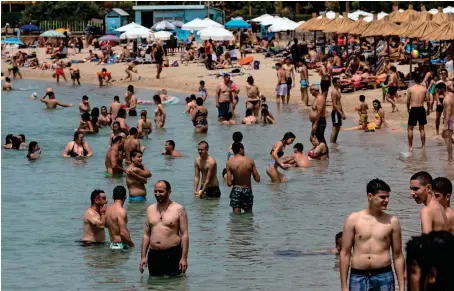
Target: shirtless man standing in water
(325, 81)
(136, 177)
(132, 143)
(165, 238)
(337, 115)
(372, 233)
(239, 171)
(206, 165)
(144, 125)
(289, 75)
(417, 114)
(114, 107)
(95, 219)
(448, 118)
(318, 111)
(281, 87)
(84, 106)
(114, 158)
(52, 103)
(433, 215)
(224, 97)
(117, 221)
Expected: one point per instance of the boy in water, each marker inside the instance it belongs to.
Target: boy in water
(362, 111)
(7, 85)
(203, 91)
(442, 189)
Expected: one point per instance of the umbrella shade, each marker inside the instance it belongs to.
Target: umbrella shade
(162, 35)
(237, 23)
(444, 32)
(261, 18)
(310, 23)
(318, 25)
(216, 34)
(130, 26)
(135, 33)
(355, 15)
(109, 37)
(423, 29)
(12, 41)
(395, 15)
(52, 33)
(163, 25)
(30, 27)
(177, 23)
(338, 23)
(356, 25)
(440, 17)
(283, 25)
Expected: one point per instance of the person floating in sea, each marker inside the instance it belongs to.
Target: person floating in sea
(137, 176)
(117, 221)
(52, 103)
(442, 189)
(375, 235)
(95, 220)
(34, 151)
(169, 149)
(206, 165)
(165, 238)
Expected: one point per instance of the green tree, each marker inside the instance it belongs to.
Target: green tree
(62, 10)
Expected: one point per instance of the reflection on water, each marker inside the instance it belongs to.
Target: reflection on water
(44, 201)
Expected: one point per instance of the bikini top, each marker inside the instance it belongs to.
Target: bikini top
(201, 114)
(73, 154)
(280, 153)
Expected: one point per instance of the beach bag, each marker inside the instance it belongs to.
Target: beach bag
(256, 65)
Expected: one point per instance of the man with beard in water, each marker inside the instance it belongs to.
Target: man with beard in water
(114, 157)
(165, 237)
(95, 219)
(136, 177)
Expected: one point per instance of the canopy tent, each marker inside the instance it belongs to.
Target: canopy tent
(30, 27)
(237, 23)
(330, 15)
(284, 24)
(195, 24)
(261, 18)
(216, 34)
(12, 41)
(163, 25)
(134, 33)
(162, 35)
(177, 23)
(109, 37)
(338, 23)
(52, 33)
(129, 26)
(440, 17)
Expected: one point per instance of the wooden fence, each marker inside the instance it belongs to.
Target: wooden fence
(74, 26)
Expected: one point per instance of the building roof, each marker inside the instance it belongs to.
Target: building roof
(168, 7)
(120, 12)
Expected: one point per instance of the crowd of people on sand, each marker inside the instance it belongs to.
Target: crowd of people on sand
(375, 235)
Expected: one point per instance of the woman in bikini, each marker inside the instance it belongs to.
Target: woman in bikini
(277, 152)
(253, 99)
(104, 119)
(159, 112)
(121, 118)
(379, 116)
(33, 147)
(144, 125)
(320, 150)
(267, 118)
(78, 147)
(199, 117)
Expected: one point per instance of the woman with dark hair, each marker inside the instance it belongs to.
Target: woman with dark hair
(228, 119)
(8, 141)
(249, 118)
(78, 147)
(85, 124)
(379, 116)
(116, 131)
(104, 119)
(95, 116)
(159, 112)
(267, 118)
(276, 153)
(319, 150)
(15, 143)
(199, 117)
(121, 118)
(33, 147)
(253, 99)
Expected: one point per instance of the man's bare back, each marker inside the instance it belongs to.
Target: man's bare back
(242, 168)
(417, 95)
(116, 222)
(114, 107)
(433, 217)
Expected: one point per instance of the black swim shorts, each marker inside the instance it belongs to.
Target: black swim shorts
(165, 262)
(241, 198)
(223, 109)
(289, 84)
(321, 126)
(213, 192)
(324, 85)
(417, 115)
(336, 117)
(392, 90)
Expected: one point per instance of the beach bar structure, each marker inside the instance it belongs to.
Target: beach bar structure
(147, 15)
(114, 19)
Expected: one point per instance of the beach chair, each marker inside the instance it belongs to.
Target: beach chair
(246, 63)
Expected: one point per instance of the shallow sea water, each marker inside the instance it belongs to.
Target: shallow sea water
(43, 202)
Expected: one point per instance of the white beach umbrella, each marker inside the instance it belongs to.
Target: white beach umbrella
(355, 15)
(330, 15)
(283, 24)
(129, 26)
(135, 33)
(162, 35)
(211, 23)
(196, 24)
(433, 11)
(216, 33)
(261, 18)
(270, 21)
(448, 9)
(178, 23)
(163, 25)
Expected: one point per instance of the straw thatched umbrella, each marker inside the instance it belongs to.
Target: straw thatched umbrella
(423, 14)
(316, 25)
(424, 28)
(395, 15)
(310, 23)
(355, 25)
(440, 17)
(404, 28)
(443, 32)
(338, 24)
(405, 16)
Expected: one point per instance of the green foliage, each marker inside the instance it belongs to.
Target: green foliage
(332, 6)
(62, 10)
(356, 5)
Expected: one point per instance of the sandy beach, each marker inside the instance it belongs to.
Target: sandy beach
(186, 79)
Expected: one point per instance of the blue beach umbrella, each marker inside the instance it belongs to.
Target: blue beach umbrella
(30, 27)
(12, 41)
(237, 23)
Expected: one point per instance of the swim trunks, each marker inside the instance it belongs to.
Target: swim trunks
(336, 118)
(165, 262)
(289, 84)
(118, 246)
(241, 198)
(392, 90)
(451, 123)
(282, 90)
(60, 72)
(440, 107)
(373, 279)
(223, 109)
(303, 84)
(324, 85)
(417, 115)
(321, 126)
(213, 192)
(137, 198)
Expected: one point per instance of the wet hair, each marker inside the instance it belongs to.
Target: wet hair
(8, 138)
(264, 106)
(121, 113)
(339, 235)
(116, 139)
(31, 146)
(131, 88)
(171, 143)
(15, 143)
(378, 103)
(265, 111)
(85, 116)
(441, 86)
(205, 143)
(376, 185)
(50, 94)
(278, 65)
(85, 97)
(321, 139)
(236, 147)
(193, 97)
(95, 112)
(22, 136)
(168, 187)
(95, 194)
(228, 116)
(248, 112)
(393, 69)
(76, 135)
(157, 99)
(423, 177)
(288, 135)
(336, 81)
(116, 98)
(237, 136)
(188, 99)
(299, 146)
(250, 80)
(442, 185)
(199, 101)
(133, 130)
(119, 193)
(417, 78)
(134, 153)
(362, 98)
(202, 82)
(143, 113)
(8, 79)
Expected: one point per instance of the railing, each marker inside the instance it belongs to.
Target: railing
(74, 26)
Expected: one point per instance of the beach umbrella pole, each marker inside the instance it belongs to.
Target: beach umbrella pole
(375, 52)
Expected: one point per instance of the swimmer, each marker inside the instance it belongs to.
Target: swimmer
(15, 143)
(104, 119)
(253, 99)
(7, 85)
(121, 118)
(104, 75)
(442, 189)
(114, 107)
(78, 147)
(240, 169)
(8, 141)
(23, 144)
(203, 91)
(114, 157)
(130, 101)
(320, 149)
(85, 124)
(237, 137)
(132, 143)
(95, 219)
(228, 119)
(117, 221)
(74, 73)
(34, 96)
(297, 158)
(144, 125)
(84, 106)
(206, 165)
(159, 112)
(164, 96)
(136, 177)
(52, 103)
(34, 151)
(277, 152)
(199, 117)
(249, 118)
(169, 150)
(116, 131)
